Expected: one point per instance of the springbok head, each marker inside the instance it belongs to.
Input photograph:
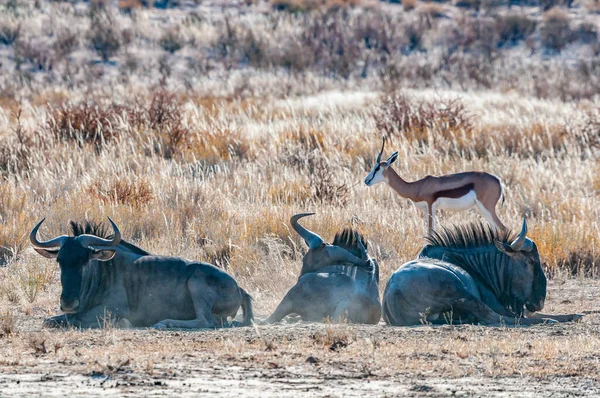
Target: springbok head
(321, 254)
(377, 174)
(72, 254)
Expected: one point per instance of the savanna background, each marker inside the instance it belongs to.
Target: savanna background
(201, 126)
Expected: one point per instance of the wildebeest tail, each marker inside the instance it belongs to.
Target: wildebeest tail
(247, 308)
(502, 193)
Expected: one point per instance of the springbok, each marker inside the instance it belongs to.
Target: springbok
(457, 192)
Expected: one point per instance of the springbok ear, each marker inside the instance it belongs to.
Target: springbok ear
(103, 255)
(47, 253)
(392, 158)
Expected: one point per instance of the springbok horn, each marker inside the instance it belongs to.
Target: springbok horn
(56, 242)
(517, 244)
(91, 240)
(363, 250)
(381, 152)
(311, 239)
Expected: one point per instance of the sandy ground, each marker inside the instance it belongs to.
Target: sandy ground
(297, 359)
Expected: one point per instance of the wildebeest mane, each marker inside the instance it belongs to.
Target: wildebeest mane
(101, 230)
(467, 236)
(346, 239)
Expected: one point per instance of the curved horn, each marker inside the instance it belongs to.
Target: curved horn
(311, 239)
(363, 250)
(517, 244)
(91, 240)
(381, 152)
(56, 242)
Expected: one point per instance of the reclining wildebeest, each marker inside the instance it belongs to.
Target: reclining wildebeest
(111, 278)
(338, 282)
(470, 274)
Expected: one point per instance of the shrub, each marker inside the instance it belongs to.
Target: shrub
(409, 5)
(10, 30)
(555, 31)
(85, 123)
(7, 323)
(35, 52)
(401, 116)
(104, 34)
(514, 27)
(15, 155)
(172, 41)
(136, 194)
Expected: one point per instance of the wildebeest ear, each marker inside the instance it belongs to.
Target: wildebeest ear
(504, 247)
(392, 158)
(47, 253)
(103, 255)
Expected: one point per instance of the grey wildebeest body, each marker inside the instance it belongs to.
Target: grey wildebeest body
(470, 274)
(110, 280)
(338, 282)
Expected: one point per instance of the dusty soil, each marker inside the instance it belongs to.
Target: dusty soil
(297, 359)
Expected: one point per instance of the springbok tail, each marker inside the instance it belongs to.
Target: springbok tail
(247, 309)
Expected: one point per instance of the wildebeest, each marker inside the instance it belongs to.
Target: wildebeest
(470, 274)
(338, 282)
(108, 281)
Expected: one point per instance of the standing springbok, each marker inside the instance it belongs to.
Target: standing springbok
(457, 192)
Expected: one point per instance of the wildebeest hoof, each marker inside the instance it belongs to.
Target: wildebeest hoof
(577, 317)
(160, 326)
(550, 321)
(56, 321)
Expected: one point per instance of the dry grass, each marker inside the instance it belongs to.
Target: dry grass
(200, 132)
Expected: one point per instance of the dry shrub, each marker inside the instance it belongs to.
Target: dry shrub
(10, 30)
(104, 34)
(15, 154)
(85, 123)
(555, 32)
(34, 277)
(514, 27)
(136, 194)
(418, 120)
(432, 10)
(172, 40)
(219, 143)
(312, 5)
(587, 32)
(36, 52)
(7, 323)
(128, 6)
(14, 223)
(166, 123)
(323, 183)
(409, 5)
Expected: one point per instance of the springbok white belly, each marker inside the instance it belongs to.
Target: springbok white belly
(456, 204)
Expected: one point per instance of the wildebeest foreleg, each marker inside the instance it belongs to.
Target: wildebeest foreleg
(284, 308)
(484, 314)
(59, 321)
(558, 318)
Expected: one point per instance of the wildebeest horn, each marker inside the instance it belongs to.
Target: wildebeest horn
(381, 152)
(363, 250)
(56, 242)
(91, 240)
(312, 240)
(517, 244)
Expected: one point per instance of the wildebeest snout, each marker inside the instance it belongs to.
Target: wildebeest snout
(534, 307)
(69, 307)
